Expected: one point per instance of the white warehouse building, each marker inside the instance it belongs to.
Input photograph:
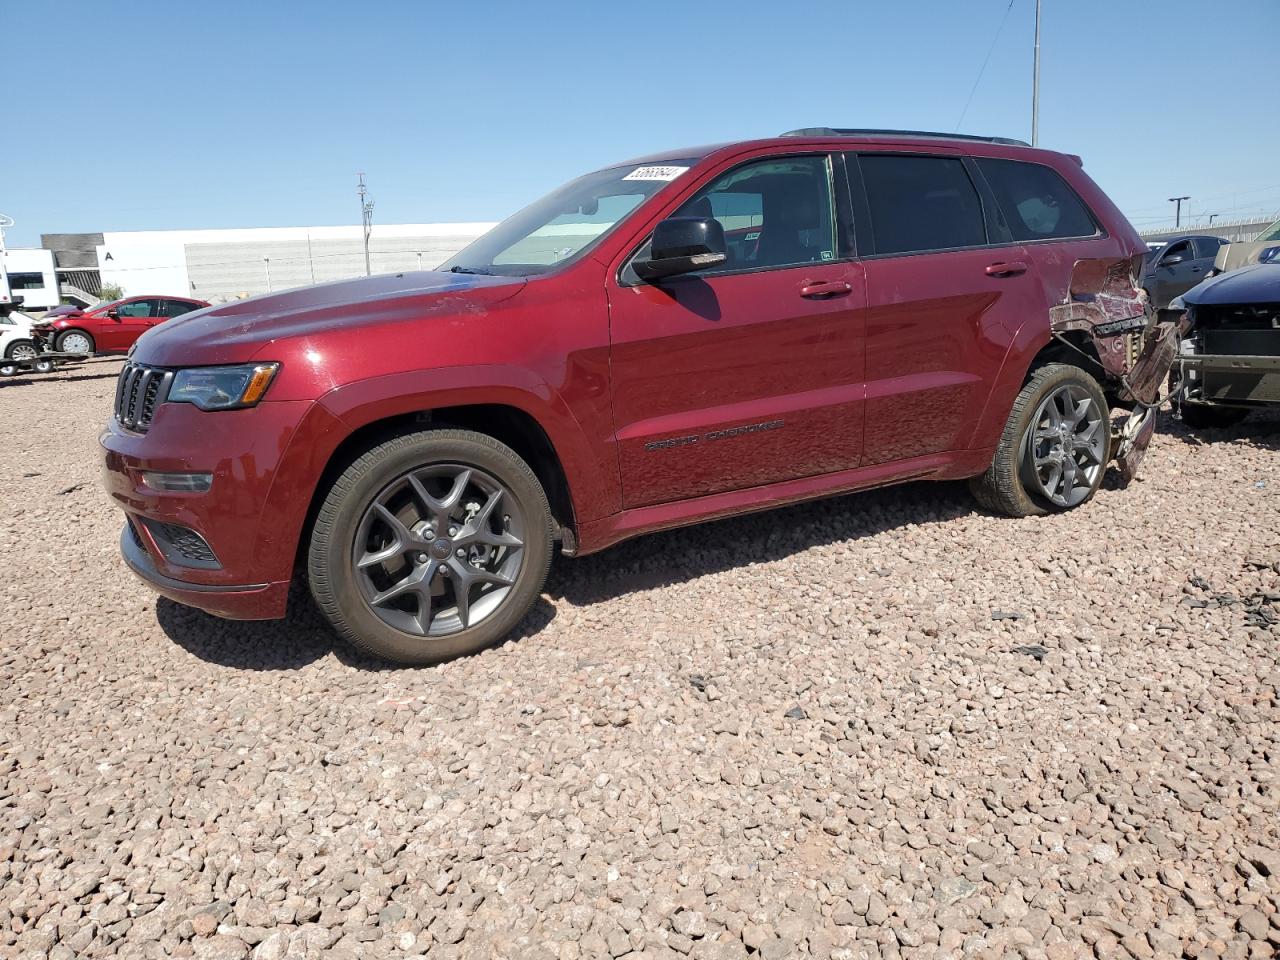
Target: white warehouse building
(220, 265)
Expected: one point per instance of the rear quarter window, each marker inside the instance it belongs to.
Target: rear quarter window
(1037, 203)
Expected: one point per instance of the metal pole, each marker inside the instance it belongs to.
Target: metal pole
(366, 218)
(1035, 86)
(5, 293)
(1177, 215)
(266, 266)
(1211, 216)
(419, 261)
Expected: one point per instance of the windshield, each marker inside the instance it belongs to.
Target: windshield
(103, 307)
(566, 223)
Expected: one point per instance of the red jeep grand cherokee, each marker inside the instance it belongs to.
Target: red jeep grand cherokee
(690, 335)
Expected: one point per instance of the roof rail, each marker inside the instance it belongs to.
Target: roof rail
(914, 134)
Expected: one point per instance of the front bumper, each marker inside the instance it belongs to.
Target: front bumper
(250, 518)
(257, 601)
(1230, 380)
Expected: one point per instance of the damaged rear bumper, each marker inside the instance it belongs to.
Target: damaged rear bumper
(1136, 346)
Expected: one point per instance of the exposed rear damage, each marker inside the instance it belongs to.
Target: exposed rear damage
(1136, 346)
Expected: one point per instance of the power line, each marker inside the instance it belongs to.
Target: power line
(1228, 193)
(983, 68)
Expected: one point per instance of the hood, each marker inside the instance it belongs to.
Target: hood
(63, 311)
(1259, 283)
(236, 332)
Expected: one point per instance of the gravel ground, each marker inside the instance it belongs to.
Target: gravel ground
(884, 725)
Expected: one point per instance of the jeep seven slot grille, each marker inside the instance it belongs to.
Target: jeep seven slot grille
(139, 391)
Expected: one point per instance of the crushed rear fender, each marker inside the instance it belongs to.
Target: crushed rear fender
(1136, 345)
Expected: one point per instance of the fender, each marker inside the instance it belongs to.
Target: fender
(594, 492)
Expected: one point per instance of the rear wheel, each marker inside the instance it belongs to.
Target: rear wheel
(1055, 446)
(21, 350)
(1202, 416)
(431, 546)
(75, 341)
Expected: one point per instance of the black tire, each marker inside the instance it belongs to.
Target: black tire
(1203, 416)
(43, 366)
(60, 343)
(14, 347)
(1001, 488)
(331, 568)
(8, 369)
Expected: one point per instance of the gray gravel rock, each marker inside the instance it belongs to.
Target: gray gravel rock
(794, 734)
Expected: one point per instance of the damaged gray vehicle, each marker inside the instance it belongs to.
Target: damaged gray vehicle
(1229, 362)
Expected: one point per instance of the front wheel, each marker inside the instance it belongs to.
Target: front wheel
(75, 341)
(1055, 446)
(431, 546)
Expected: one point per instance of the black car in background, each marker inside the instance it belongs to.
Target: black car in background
(1178, 266)
(1229, 362)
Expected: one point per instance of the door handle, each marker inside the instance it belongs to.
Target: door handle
(1009, 268)
(825, 289)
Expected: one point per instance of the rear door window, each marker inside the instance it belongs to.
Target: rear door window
(176, 308)
(920, 203)
(1207, 247)
(1037, 203)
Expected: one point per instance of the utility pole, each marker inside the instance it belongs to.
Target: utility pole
(1035, 85)
(5, 293)
(366, 217)
(1211, 216)
(1177, 216)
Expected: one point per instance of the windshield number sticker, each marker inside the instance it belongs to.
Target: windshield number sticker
(655, 173)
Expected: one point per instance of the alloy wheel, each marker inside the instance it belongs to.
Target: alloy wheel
(23, 351)
(439, 549)
(1066, 446)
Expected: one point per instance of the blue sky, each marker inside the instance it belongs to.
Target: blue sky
(190, 114)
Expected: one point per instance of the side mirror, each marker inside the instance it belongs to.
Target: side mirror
(682, 245)
(1170, 261)
(113, 314)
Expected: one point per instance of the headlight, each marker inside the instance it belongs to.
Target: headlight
(222, 388)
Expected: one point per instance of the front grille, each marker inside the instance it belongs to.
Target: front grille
(139, 391)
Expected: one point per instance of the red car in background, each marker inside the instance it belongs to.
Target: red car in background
(109, 327)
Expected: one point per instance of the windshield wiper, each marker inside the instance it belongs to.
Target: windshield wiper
(477, 270)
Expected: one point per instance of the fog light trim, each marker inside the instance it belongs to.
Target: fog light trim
(177, 482)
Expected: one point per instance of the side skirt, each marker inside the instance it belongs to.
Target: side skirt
(953, 465)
